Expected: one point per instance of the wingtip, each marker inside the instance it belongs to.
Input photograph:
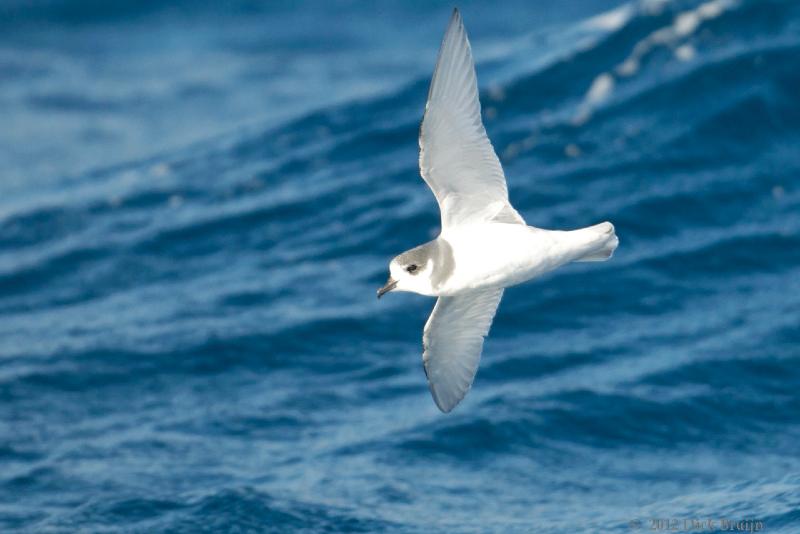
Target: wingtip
(455, 29)
(444, 407)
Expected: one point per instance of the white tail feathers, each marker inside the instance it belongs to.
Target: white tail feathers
(607, 242)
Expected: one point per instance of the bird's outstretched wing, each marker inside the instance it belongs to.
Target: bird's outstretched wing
(456, 159)
(453, 341)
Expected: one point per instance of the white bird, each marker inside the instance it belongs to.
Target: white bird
(484, 245)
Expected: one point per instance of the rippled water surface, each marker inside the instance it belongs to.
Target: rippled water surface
(197, 205)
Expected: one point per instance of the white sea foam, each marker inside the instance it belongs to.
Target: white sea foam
(675, 35)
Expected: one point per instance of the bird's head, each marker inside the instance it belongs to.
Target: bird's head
(411, 271)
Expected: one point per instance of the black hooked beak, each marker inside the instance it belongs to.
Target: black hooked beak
(390, 284)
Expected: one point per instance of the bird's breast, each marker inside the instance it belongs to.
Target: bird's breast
(498, 255)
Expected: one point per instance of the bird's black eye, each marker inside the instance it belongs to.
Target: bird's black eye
(411, 268)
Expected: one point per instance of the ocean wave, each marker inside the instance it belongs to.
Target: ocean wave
(190, 340)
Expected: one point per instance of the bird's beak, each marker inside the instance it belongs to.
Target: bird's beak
(390, 284)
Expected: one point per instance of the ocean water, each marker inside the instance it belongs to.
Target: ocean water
(197, 205)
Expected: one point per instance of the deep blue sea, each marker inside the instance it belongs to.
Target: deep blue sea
(199, 200)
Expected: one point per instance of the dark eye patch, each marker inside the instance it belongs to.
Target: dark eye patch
(411, 268)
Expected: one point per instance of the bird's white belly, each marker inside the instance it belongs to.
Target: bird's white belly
(502, 255)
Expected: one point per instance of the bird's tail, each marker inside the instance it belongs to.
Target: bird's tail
(607, 242)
